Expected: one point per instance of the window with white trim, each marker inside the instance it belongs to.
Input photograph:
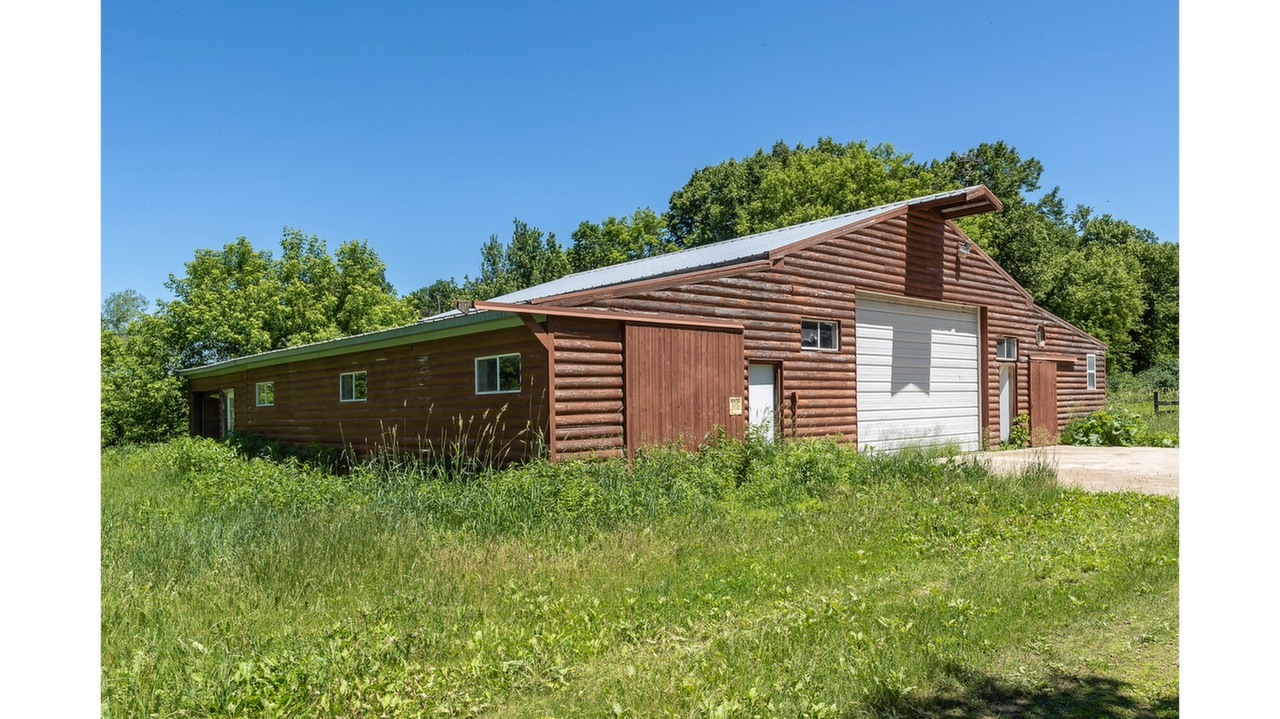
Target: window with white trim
(1091, 370)
(353, 386)
(1006, 348)
(819, 335)
(498, 373)
(265, 393)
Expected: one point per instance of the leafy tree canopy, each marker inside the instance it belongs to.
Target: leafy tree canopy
(616, 240)
(238, 300)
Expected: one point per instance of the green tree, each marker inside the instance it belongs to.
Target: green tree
(436, 297)
(142, 400)
(306, 279)
(1105, 275)
(789, 185)
(833, 179)
(615, 240)
(531, 258)
(1098, 290)
(223, 305)
(238, 300)
(121, 308)
(365, 300)
(708, 207)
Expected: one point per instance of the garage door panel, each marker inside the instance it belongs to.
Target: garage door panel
(918, 373)
(912, 401)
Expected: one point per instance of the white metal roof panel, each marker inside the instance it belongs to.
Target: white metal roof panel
(716, 254)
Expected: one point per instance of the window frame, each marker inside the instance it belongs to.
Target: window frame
(1091, 371)
(1010, 358)
(257, 393)
(835, 335)
(352, 375)
(475, 365)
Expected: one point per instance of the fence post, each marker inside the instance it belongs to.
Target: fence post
(1157, 401)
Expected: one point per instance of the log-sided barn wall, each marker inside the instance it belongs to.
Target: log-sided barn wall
(422, 394)
(588, 392)
(914, 254)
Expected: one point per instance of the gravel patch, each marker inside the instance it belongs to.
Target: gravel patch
(1153, 470)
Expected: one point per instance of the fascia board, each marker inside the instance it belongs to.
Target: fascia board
(409, 334)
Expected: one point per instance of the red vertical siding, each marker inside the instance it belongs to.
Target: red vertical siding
(679, 381)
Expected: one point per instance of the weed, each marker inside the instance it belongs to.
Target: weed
(785, 579)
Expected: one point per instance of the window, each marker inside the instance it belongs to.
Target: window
(1040, 336)
(1007, 348)
(265, 393)
(353, 386)
(500, 373)
(1091, 370)
(819, 335)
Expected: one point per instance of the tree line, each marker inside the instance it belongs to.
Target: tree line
(1107, 276)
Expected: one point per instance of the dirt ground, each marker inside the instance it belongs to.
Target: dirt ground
(1153, 470)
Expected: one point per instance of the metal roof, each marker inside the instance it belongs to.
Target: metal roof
(420, 331)
(726, 252)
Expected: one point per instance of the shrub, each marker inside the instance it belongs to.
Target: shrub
(1112, 427)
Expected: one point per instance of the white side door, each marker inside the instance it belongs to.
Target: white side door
(228, 411)
(762, 397)
(1006, 403)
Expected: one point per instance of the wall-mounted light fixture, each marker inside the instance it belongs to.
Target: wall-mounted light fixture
(964, 247)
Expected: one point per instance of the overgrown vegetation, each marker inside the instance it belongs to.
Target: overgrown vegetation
(1130, 419)
(749, 579)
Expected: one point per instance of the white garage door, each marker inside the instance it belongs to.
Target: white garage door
(917, 373)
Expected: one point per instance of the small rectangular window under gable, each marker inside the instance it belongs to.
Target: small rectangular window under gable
(1006, 348)
(1091, 370)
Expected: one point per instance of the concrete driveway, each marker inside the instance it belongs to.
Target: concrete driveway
(1153, 470)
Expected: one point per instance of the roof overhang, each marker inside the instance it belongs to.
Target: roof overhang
(423, 331)
(974, 201)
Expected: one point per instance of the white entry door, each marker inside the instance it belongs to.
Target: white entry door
(917, 373)
(228, 411)
(1006, 402)
(762, 398)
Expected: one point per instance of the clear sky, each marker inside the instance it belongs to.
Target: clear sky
(425, 128)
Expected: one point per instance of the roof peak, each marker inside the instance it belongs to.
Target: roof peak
(975, 198)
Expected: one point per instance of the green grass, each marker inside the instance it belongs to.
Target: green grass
(745, 581)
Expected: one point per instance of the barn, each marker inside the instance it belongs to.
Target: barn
(881, 326)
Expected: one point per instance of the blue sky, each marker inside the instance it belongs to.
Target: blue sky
(425, 128)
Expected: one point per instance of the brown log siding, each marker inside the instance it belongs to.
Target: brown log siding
(421, 396)
(912, 255)
(588, 392)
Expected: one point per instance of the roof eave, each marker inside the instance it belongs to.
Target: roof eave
(407, 334)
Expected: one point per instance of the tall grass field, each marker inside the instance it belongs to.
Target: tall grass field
(747, 580)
